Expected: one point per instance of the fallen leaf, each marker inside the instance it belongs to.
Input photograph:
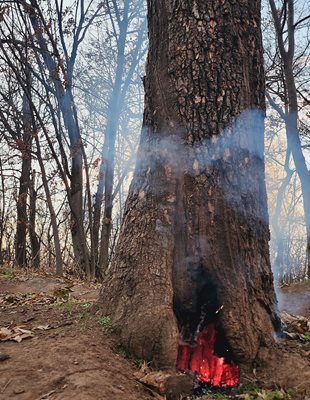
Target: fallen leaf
(26, 331)
(14, 333)
(4, 333)
(19, 338)
(156, 380)
(47, 395)
(43, 327)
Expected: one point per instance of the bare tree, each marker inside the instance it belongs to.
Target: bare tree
(285, 28)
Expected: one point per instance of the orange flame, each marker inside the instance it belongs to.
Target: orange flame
(199, 358)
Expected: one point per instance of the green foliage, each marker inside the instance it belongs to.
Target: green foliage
(7, 273)
(65, 303)
(253, 392)
(106, 322)
(215, 396)
(122, 351)
(276, 395)
(219, 396)
(65, 306)
(139, 362)
(63, 294)
(87, 305)
(251, 389)
(306, 336)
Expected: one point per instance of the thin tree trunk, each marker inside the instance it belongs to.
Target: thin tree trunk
(24, 181)
(278, 232)
(65, 100)
(79, 240)
(291, 119)
(106, 177)
(294, 143)
(2, 214)
(34, 241)
(195, 225)
(116, 105)
(58, 256)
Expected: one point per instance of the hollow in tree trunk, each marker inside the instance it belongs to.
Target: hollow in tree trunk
(194, 238)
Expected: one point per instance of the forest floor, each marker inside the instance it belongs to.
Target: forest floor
(295, 298)
(55, 347)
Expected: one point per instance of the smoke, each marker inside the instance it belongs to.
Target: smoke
(245, 133)
(287, 222)
(240, 146)
(236, 153)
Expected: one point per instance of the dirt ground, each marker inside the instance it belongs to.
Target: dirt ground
(295, 299)
(70, 354)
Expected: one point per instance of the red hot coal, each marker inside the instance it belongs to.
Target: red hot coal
(198, 357)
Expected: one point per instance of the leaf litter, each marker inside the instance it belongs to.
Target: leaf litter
(18, 299)
(296, 327)
(15, 333)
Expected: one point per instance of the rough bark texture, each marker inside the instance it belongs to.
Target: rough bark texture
(195, 224)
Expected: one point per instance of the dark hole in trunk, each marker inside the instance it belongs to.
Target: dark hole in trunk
(204, 351)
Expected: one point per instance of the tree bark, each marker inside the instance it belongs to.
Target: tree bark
(25, 144)
(58, 256)
(195, 223)
(79, 240)
(34, 241)
(2, 214)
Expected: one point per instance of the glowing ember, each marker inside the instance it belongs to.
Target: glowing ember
(199, 358)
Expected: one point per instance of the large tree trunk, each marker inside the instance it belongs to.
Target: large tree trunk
(195, 224)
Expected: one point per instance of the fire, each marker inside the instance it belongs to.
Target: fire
(199, 358)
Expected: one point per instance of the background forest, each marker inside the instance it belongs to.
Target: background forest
(71, 104)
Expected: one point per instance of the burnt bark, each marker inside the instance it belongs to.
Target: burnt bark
(195, 223)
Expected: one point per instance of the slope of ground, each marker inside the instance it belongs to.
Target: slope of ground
(70, 354)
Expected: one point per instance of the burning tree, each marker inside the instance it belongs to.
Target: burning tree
(191, 284)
